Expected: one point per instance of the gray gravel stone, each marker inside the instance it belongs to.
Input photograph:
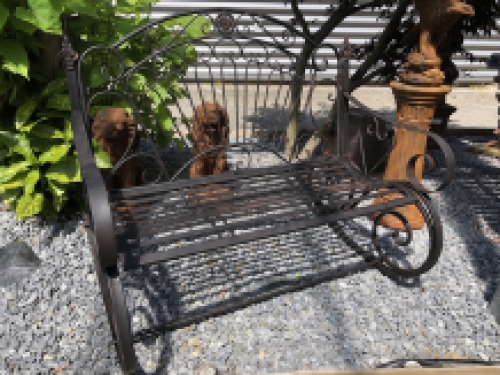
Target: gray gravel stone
(17, 262)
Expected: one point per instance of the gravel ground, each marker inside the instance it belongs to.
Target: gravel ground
(55, 319)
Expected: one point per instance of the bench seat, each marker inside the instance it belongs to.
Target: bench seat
(185, 217)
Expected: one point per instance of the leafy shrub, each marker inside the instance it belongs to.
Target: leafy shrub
(39, 171)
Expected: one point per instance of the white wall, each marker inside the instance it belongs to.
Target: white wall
(359, 28)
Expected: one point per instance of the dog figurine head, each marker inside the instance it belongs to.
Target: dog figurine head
(210, 126)
(113, 129)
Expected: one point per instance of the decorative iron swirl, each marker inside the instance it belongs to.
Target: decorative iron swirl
(104, 71)
(153, 59)
(411, 166)
(431, 218)
(207, 12)
(225, 24)
(380, 134)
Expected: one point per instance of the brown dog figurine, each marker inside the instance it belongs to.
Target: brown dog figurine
(114, 129)
(210, 129)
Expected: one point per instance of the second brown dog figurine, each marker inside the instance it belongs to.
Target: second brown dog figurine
(114, 129)
(210, 129)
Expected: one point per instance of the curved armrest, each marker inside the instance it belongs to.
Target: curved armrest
(97, 197)
(410, 168)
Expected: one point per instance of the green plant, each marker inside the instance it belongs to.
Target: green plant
(39, 171)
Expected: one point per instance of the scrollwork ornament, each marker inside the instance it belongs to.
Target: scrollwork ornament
(225, 24)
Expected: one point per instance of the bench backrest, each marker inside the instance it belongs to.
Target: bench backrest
(162, 72)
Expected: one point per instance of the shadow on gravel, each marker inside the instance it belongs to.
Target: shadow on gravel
(478, 184)
(196, 284)
(179, 288)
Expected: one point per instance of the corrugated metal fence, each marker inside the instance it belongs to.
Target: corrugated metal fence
(360, 28)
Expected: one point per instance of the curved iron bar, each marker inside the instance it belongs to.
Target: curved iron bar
(410, 169)
(228, 146)
(116, 80)
(434, 228)
(377, 132)
(152, 88)
(232, 11)
(124, 75)
(82, 57)
(257, 41)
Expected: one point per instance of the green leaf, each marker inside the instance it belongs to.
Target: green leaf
(7, 138)
(4, 14)
(197, 28)
(25, 111)
(5, 86)
(59, 101)
(21, 24)
(27, 16)
(23, 147)
(80, 7)
(55, 86)
(101, 158)
(47, 131)
(15, 183)
(54, 114)
(58, 202)
(32, 44)
(28, 127)
(29, 205)
(164, 117)
(10, 196)
(56, 189)
(58, 195)
(3, 153)
(49, 213)
(30, 181)
(47, 17)
(68, 131)
(65, 171)
(7, 173)
(42, 144)
(54, 154)
(179, 143)
(15, 58)
(96, 78)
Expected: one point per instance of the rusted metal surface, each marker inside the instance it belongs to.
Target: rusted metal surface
(169, 217)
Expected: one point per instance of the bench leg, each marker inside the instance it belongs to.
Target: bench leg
(118, 316)
(435, 232)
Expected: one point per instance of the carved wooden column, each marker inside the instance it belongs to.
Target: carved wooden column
(419, 90)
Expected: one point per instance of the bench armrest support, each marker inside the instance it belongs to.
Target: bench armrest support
(96, 195)
(410, 169)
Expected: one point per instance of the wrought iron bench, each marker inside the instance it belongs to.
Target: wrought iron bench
(267, 88)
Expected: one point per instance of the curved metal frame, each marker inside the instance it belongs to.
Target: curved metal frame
(103, 242)
(123, 75)
(410, 170)
(434, 229)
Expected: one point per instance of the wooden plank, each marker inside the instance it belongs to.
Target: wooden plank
(468, 370)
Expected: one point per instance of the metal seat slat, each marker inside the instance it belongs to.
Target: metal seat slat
(278, 228)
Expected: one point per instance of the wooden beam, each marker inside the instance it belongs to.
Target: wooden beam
(466, 370)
